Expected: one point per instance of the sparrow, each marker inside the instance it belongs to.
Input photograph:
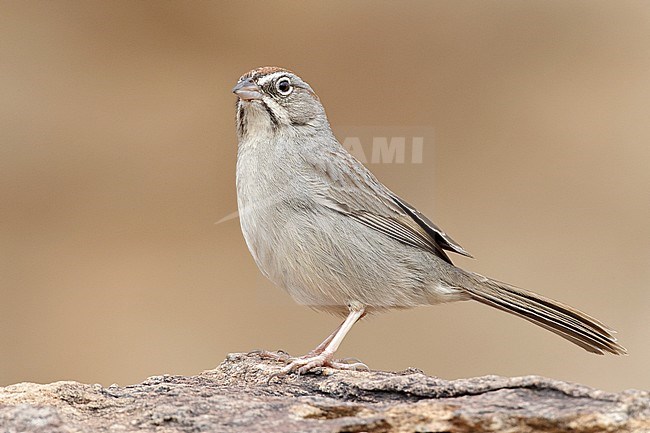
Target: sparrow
(321, 226)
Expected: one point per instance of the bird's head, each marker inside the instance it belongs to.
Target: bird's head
(272, 99)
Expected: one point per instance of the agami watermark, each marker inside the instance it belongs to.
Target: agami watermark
(387, 145)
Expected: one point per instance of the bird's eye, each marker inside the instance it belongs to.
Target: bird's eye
(284, 87)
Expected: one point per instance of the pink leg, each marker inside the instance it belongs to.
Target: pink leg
(319, 349)
(283, 356)
(322, 356)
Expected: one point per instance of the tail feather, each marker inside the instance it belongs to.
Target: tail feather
(567, 322)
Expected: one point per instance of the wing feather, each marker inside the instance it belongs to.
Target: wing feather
(343, 184)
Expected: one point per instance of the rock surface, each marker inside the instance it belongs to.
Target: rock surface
(241, 396)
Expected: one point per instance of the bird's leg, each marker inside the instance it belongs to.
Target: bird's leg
(303, 364)
(283, 356)
(319, 349)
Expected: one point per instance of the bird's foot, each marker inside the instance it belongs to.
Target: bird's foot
(306, 363)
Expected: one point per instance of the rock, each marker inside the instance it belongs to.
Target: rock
(241, 395)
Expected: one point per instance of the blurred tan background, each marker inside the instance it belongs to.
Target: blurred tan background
(117, 158)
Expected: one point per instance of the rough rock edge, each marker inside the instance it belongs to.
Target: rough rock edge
(241, 396)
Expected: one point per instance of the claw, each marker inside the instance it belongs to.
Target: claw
(276, 374)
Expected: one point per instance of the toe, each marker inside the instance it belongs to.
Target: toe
(305, 364)
(349, 361)
(355, 366)
(280, 355)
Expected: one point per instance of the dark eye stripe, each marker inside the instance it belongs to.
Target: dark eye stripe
(270, 89)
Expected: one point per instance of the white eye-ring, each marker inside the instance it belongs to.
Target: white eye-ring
(283, 86)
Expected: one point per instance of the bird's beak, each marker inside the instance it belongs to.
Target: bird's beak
(247, 90)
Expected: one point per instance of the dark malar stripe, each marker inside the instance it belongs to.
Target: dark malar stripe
(274, 119)
(241, 114)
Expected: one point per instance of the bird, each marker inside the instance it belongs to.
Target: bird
(321, 226)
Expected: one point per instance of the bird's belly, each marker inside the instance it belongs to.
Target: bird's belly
(327, 261)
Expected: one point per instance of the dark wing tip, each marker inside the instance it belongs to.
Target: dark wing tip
(439, 236)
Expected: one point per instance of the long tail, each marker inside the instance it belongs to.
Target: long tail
(576, 326)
